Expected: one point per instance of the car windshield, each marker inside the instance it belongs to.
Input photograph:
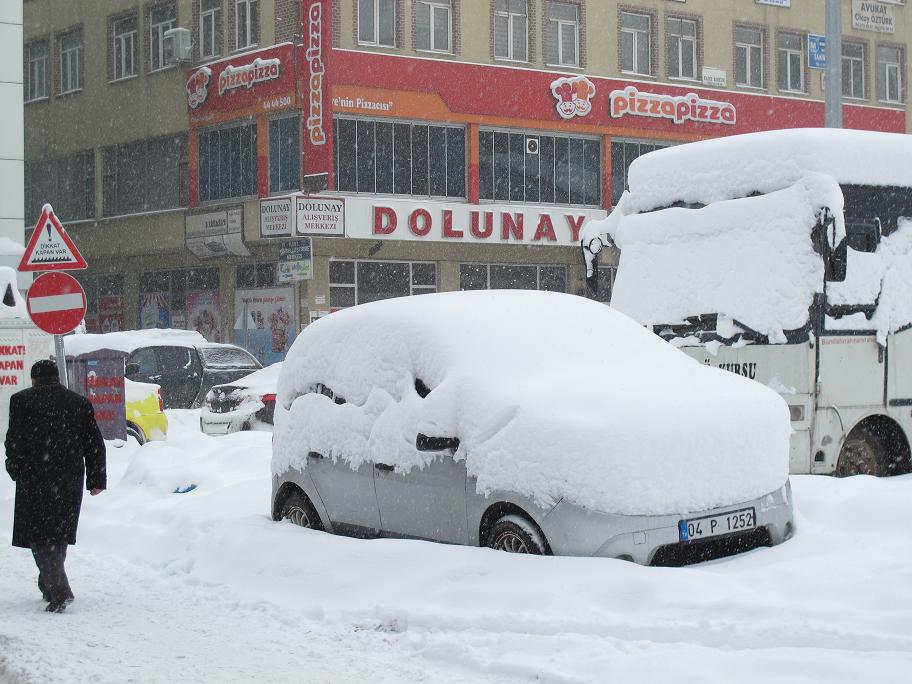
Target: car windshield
(227, 357)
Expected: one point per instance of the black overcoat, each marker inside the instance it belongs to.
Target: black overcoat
(53, 444)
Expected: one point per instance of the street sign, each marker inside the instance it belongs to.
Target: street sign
(56, 303)
(50, 248)
(816, 51)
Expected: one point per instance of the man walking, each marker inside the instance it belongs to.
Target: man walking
(53, 442)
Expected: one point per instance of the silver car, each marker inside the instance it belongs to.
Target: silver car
(327, 473)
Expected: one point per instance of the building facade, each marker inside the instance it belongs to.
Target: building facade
(11, 146)
(314, 154)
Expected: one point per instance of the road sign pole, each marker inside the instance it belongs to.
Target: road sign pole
(60, 353)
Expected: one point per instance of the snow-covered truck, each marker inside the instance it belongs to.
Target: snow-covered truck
(786, 257)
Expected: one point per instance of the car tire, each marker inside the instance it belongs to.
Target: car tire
(136, 433)
(862, 453)
(515, 534)
(298, 510)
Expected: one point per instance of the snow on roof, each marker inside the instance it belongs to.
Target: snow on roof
(130, 340)
(551, 395)
(9, 286)
(736, 166)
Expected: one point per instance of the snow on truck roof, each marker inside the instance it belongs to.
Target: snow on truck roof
(739, 165)
(129, 341)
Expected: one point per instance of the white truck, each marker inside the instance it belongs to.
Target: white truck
(786, 257)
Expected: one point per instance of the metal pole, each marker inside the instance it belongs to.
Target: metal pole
(833, 74)
(60, 353)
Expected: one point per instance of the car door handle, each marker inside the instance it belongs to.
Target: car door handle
(384, 467)
(315, 454)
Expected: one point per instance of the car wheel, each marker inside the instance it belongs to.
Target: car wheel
(137, 434)
(515, 534)
(862, 454)
(298, 510)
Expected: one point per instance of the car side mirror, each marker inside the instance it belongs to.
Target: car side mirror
(836, 263)
(425, 443)
(131, 369)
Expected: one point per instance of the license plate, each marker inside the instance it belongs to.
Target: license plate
(715, 525)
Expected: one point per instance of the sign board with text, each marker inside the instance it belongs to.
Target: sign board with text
(295, 260)
(276, 218)
(50, 248)
(320, 216)
(868, 15)
(816, 51)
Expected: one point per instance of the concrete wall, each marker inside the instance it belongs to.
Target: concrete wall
(11, 125)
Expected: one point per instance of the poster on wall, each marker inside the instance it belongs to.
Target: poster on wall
(203, 313)
(265, 322)
(110, 313)
(154, 310)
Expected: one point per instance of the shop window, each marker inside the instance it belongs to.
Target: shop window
(69, 181)
(433, 25)
(210, 29)
(636, 38)
(161, 19)
(521, 167)
(399, 158)
(250, 276)
(790, 47)
(853, 71)
(36, 70)
(512, 277)
(749, 57)
(358, 282)
(682, 48)
(247, 23)
(562, 34)
(377, 22)
(227, 165)
(69, 47)
(889, 73)
(104, 302)
(123, 48)
(148, 175)
(284, 154)
(622, 155)
(186, 299)
(511, 30)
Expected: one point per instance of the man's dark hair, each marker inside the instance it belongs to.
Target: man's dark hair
(46, 371)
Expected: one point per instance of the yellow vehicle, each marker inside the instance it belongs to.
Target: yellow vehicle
(146, 419)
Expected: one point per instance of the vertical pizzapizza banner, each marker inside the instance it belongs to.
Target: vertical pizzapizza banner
(314, 84)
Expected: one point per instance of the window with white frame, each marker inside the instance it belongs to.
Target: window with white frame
(790, 47)
(562, 32)
(124, 32)
(682, 48)
(377, 22)
(748, 57)
(889, 73)
(511, 30)
(69, 46)
(36, 71)
(210, 25)
(354, 282)
(635, 39)
(853, 76)
(161, 19)
(247, 23)
(433, 25)
(512, 277)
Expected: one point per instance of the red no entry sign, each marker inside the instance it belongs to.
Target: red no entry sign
(56, 302)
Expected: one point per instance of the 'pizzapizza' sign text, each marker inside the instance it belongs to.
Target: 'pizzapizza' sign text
(248, 75)
(677, 108)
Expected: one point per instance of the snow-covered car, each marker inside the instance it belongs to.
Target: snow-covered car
(244, 404)
(526, 421)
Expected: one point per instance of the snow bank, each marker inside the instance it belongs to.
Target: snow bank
(736, 166)
(130, 340)
(551, 395)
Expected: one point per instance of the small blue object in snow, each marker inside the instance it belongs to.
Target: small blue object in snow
(184, 490)
(682, 530)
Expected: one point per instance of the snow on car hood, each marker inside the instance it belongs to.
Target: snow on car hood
(552, 396)
(258, 383)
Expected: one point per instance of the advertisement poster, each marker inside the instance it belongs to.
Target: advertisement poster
(154, 310)
(295, 260)
(110, 313)
(203, 313)
(265, 322)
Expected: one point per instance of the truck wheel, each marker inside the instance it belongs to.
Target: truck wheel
(515, 534)
(862, 454)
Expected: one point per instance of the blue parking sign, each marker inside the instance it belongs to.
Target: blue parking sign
(816, 51)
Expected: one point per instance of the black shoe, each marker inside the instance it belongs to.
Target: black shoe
(44, 593)
(58, 606)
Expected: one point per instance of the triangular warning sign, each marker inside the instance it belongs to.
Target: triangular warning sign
(50, 248)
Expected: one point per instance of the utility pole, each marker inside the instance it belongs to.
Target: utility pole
(833, 72)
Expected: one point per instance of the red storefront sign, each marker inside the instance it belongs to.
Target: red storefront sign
(317, 125)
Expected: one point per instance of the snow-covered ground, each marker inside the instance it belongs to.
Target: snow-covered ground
(203, 586)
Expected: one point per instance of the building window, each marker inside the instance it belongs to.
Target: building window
(682, 48)
(183, 299)
(622, 155)
(400, 158)
(377, 22)
(635, 39)
(227, 163)
(528, 167)
(161, 19)
(124, 36)
(104, 302)
(250, 276)
(512, 277)
(36, 71)
(853, 76)
(359, 282)
(149, 175)
(210, 28)
(511, 34)
(69, 46)
(748, 57)
(791, 62)
(68, 182)
(889, 73)
(247, 23)
(284, 153)
(433, 25)
(562, 33)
